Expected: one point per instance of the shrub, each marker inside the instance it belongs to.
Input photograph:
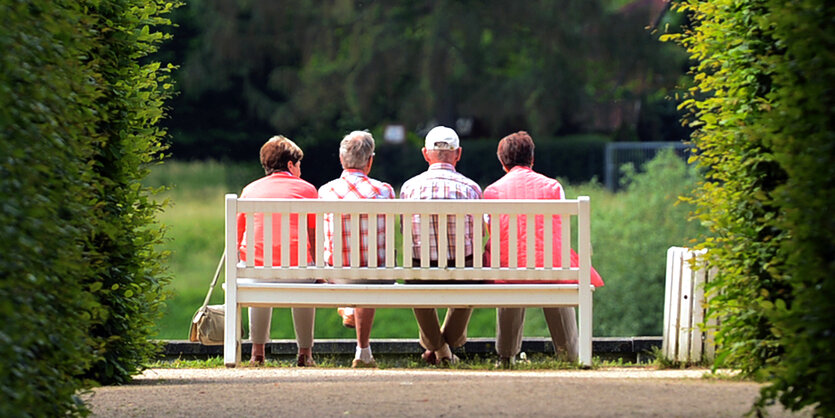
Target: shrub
(129, 277)
(45, 306)
(763, 112)
(632, 231)
(80, 281)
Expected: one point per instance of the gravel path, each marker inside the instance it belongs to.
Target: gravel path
(222, 392)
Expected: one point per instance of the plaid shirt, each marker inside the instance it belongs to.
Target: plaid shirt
(353, 185)
(441, 181)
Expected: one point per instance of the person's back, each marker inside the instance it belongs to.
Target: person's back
(441, 181)
(281, 160)
(356, 154)
(516, 155)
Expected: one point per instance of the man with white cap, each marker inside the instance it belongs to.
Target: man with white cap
(442, 151)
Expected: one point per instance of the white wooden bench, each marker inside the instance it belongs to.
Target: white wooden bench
(250, 285)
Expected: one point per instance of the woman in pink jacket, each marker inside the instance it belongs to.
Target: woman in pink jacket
(516, 152)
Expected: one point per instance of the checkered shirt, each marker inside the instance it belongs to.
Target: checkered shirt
(353, 185)
(441, 181)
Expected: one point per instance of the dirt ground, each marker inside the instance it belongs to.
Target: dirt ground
(322, 392)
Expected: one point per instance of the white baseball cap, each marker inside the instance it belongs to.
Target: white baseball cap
(441, 137)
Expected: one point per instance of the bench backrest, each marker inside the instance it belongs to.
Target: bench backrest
(392, 214)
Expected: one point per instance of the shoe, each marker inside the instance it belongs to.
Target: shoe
(429, 357)
(448, 361)
(505, 362)
(305, 361)
(359, 364)
(347, 317)
(256, 360)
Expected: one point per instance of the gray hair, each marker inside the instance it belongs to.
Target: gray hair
(356, 149)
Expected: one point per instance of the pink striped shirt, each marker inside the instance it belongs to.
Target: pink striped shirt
(353, 185)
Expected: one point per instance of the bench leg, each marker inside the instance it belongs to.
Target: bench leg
(231, 337)
(585, 329)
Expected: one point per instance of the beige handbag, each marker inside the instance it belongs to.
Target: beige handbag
(207, 324)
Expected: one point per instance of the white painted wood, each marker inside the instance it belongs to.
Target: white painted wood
(585, 297)
(356, 237)
(390, 260)
(443, 239)
(547, 242)
(302, 253)
(320, 241)
(231, 343)
(478, 250)
(268, 238)
(285, 239)
(460, 248)
(250, 285)
(250, 240)
(686, 309)
(425, 222)
(684, 338)
(373, 224)
(495, 248)
(530, 245)
(512, 240)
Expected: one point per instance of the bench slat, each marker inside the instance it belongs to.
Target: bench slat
(449, 207)
(417, 273)
(405, 296)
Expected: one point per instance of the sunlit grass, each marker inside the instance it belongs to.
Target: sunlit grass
(536, 361)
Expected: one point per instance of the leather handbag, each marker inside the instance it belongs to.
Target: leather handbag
(207, 323)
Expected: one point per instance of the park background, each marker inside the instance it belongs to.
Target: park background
(86, 109)
(579, 76)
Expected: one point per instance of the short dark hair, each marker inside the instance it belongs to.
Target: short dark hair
(277, 152)
(516, 149)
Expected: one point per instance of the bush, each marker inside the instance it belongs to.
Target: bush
(764, 118)
(45, 305)
(632, 231)
(129, 278)
(80, 281)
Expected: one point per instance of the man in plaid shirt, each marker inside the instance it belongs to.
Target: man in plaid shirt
(441, 181)
(356, 153)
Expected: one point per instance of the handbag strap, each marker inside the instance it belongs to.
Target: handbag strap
(214, 281)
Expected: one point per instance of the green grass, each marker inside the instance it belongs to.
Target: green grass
(194, 224)
(534, 362)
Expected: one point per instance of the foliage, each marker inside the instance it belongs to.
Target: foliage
(80, 278)
(128, 277)
(763, 109)
(631, 235)
(316, 70)
(45, 306)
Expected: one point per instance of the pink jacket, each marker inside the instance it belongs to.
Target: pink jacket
(277, 185)
(524, 183)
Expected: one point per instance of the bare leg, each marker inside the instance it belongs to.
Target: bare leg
(364, 321)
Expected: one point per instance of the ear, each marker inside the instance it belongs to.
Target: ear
(368, 166)
(425, 154)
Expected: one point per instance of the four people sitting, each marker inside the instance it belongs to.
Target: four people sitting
(281, 159)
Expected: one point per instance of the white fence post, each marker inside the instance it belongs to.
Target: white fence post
(684, 308)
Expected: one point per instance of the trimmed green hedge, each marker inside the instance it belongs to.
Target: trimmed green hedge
(80, 279)
(763, 108)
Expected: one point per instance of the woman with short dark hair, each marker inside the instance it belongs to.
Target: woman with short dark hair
(281, 159)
